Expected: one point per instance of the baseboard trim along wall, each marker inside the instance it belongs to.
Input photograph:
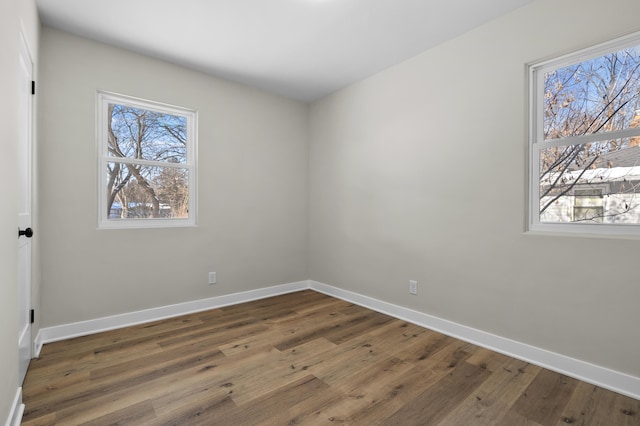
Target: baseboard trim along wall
(83, 328)
(609, 379)
(16, 410)
(600, 376)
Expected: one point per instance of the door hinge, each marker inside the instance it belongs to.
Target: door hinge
(32, 315)
(33, 87)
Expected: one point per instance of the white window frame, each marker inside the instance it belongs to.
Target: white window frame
(103, 100)
(536, 142)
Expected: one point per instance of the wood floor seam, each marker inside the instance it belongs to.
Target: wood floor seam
(301, 358)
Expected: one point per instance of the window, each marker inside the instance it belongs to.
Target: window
(146, 163)
(584, 147)
(588, 205)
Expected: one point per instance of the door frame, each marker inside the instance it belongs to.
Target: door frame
(25, 208)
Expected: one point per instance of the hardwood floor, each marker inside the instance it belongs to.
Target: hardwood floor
(301, 359)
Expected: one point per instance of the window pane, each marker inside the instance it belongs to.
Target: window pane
(149, 135)
(593, 96)
(142, 192)
(591, 183)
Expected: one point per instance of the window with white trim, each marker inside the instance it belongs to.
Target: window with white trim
(147, 164)
(584, 147)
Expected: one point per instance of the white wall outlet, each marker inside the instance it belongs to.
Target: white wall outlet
(413, 287)
(212, 277)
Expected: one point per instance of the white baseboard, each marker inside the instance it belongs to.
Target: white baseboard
(16, 410)
(600, 376)
(83, 328)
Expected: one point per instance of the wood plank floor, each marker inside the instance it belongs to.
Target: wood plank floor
(301, 359)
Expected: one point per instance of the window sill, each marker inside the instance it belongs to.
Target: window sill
(631, 232)
(148, 224)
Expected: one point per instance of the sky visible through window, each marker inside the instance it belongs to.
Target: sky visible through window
(590, 110)
(151, 185)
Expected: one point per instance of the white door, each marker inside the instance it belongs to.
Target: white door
(24, 212)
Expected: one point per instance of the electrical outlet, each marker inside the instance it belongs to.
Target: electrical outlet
(413, 287)
(212, 277)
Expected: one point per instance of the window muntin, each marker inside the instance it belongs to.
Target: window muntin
(585, 140)
(147, 163)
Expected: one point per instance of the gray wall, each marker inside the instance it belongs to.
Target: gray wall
(415, 173)
(252, 188)
(15, 16)
(419, 173)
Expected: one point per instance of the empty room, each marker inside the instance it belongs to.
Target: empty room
(316, 212)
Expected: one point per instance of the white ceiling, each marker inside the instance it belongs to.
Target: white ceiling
(302, 49)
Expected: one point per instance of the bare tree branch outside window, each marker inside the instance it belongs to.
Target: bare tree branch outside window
(589, 162)
(152, 184)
